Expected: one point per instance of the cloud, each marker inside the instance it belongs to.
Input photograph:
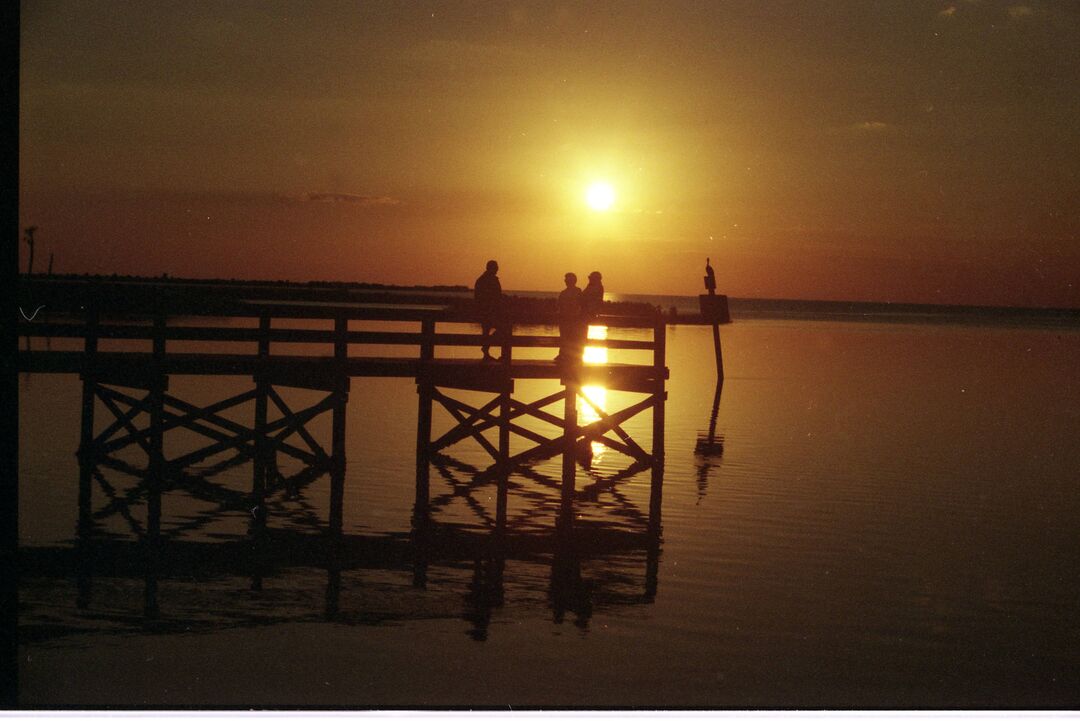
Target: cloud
(1017, 12)
(363, 200)
(948, 12)
(871, 126)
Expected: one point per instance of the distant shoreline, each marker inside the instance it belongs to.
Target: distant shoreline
(166, 279)
(685, 305)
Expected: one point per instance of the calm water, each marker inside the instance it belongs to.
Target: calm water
(892, 522)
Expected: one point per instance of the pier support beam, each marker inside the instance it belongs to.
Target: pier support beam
(569, 454)
(656, 487)
(156, 470)
(503, 462)
(86, 463)
(425, 394)
(337, 466)
(261, 463)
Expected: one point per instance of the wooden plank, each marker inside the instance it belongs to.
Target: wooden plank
(489, 421)
(308, 335)
(321, 372)
(465, 423)
(635, 450)
(301, 431)
(248, 434)
(476, 376)
(118, 423)
(462, 430)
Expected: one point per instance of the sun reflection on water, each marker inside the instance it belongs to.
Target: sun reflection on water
(597, 394)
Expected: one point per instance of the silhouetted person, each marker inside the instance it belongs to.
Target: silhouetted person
(571, 320)
(488, 295)
(592, 297)
(710, 278)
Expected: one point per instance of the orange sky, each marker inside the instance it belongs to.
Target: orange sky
(914, 151)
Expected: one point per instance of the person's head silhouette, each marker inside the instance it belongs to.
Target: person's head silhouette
(492, 266)
(595, 276)
(571, 279)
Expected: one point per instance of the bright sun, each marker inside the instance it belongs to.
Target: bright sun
(600, 196)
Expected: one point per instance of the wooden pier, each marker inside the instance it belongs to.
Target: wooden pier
(132, 386)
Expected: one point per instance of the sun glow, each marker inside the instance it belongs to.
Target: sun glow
(600, 196)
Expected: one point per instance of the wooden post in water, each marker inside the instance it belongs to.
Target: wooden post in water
(718, 351)
(570, 431)
(156, 467)
(711, 306)
(337, 464)
(86, 459)
(659, 401)
(423, 418)
(505, 359)
(261, 465)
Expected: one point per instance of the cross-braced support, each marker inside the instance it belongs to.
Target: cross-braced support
(571, 439)
(141, 414)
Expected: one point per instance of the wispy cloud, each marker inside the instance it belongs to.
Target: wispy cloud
(1018, 12)
(363, 200)
(871, 126)
(948, 12)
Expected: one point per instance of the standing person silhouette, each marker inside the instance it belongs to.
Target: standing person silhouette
(488, 295)
(570, 320)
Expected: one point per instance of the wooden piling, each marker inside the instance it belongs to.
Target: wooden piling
(337, 452)
(337, 466)
(659, 401)
(156, 468)
(505, 359)
(424, 390)
(86, 461)
(569, 452)
(715, 308)
(261, 462)
(718, 352)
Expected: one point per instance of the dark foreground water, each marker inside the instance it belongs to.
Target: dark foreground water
(885, 515)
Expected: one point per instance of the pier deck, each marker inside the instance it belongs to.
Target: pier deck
(456, 372)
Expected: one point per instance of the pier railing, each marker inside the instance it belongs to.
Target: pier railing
(167, 323)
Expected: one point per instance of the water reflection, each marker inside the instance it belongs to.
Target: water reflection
(595, 396)
(282, 564)
(709, 446)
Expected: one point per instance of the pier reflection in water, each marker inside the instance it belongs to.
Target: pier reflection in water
(194, 582)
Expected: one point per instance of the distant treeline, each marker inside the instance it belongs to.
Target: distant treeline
(165, 278)
(135, 294)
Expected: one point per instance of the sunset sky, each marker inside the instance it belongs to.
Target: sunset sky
(915, 150)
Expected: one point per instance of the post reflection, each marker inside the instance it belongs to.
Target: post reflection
(291, 567)
(709, 446)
